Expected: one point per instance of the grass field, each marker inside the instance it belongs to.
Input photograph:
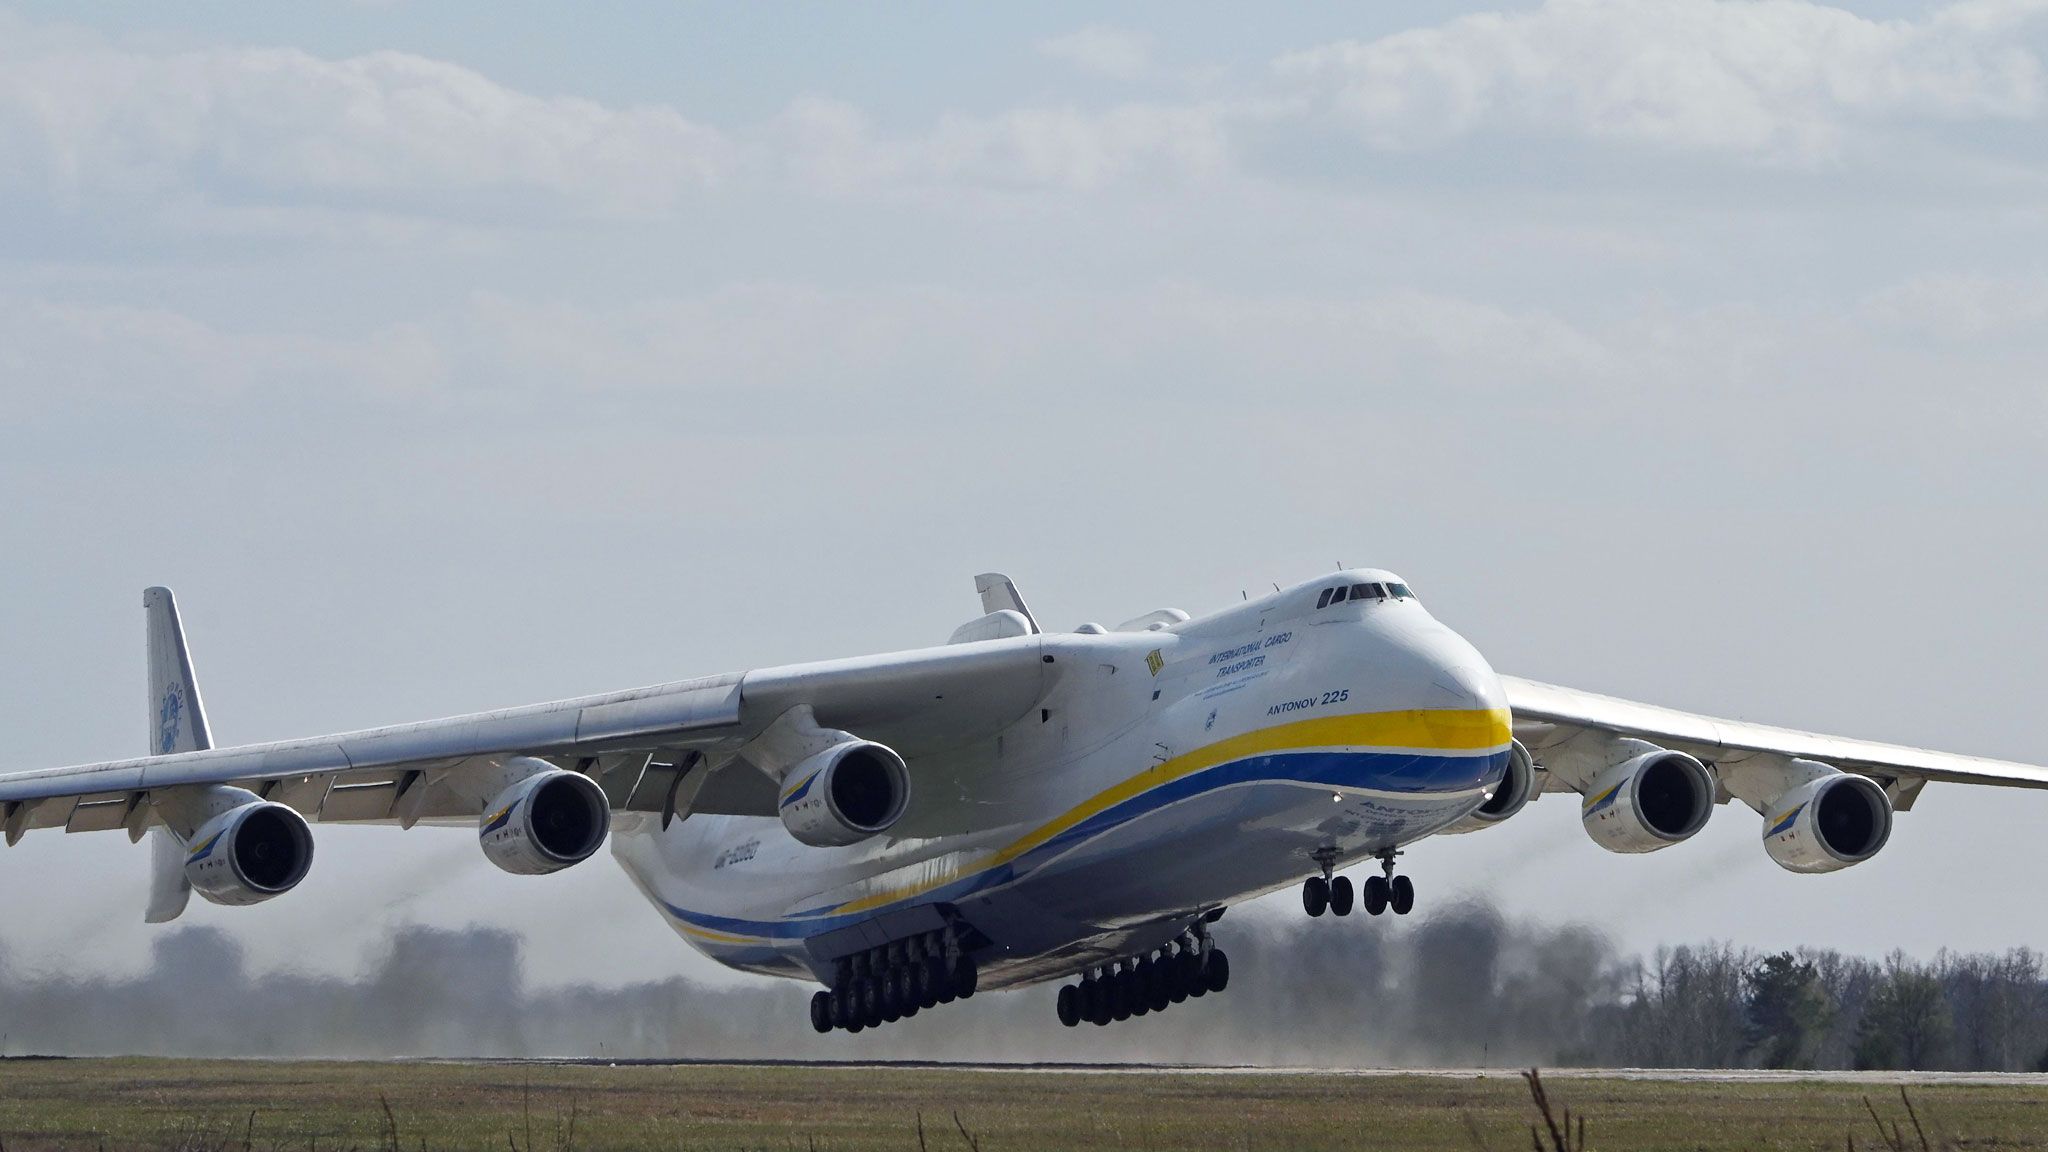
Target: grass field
(222, 1105)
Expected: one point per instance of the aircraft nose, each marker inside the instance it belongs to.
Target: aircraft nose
(1465, 679)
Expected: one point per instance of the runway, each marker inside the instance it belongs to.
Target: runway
(1886, 1078)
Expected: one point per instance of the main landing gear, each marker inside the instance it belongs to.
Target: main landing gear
(1190, 966)
(887, 984)
(1334, 894)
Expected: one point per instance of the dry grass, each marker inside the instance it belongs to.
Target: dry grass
(230, 1106)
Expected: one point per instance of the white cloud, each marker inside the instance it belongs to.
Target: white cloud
(83, 122)
(56, 354)
(1117, 53)
(1782, 80)
(834, 146)
(1962, 308)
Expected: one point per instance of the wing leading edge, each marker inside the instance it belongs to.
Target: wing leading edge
(1547, 715)
(637, 743)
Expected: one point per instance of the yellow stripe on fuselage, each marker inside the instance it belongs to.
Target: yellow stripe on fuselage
(1426, 729)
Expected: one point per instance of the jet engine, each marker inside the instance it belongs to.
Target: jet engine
(1515, 788)
(845, 794)
(249, 853)
(1828, 823)
(1651, 801)
(545, 822)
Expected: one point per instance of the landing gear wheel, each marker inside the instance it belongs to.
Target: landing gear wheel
(1216, 973)
(923, 985)
(1191, 967)
(891, 999)
(963, 978)
(871, 1001)
(1403, 896)
(1070, 1005)
(1376, 895)
(1177, 978)
(1315, 895)
(1340, 896)
(1120, 996)
(1099, 1013)
(942, 982)
(821, 1011)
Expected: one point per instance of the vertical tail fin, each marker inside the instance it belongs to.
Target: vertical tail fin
(177, 723)
(999, 593)
(177, 720)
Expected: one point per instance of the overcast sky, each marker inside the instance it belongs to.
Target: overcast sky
(452, 356)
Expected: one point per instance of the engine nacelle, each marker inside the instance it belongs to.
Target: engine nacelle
(545, 822)
(1828, 823)
(1648, 802)
(249, 853)
(1515, 788)
(845, 794)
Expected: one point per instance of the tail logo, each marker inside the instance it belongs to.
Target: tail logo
(168, 718)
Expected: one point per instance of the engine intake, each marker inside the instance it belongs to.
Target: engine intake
(545, 822)
(1515, 788)
(1827, 824)
(845, 794)
(249, 853)
(1651, 801)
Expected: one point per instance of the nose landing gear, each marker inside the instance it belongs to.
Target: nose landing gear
(1328, 891)
(1334, 894)
(1388, 891)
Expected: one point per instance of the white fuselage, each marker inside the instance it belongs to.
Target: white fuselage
(1167, 773)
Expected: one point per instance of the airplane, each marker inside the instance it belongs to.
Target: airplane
(1014, 807)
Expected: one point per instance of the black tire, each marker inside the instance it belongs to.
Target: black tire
(964, 977)
(1162, 994)
(1069, 1005)
(821, 1011)
(855, 1026)
(1198, 986)
(1216, 973)
(1402, 898)
(1375, 895)
(942, 982)
(1177, 977)
(1341, 894)
(871, 1001)
(891, 999)
(1120, 996)
(1315, 895)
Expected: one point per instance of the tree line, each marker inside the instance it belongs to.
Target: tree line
(1461, 985)
(1719, 1006)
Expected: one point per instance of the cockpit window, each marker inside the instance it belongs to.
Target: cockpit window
(1368, 592)
(1324, 600)
(1401, 592)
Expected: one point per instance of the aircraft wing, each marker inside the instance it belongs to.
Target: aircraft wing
(638, 744)
(1750, 758)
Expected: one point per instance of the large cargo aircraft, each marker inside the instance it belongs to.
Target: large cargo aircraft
(1014, 807)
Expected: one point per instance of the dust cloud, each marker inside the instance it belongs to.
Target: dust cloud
(1464, 985)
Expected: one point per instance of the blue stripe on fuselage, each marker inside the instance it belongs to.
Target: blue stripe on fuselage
(1400, 772)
